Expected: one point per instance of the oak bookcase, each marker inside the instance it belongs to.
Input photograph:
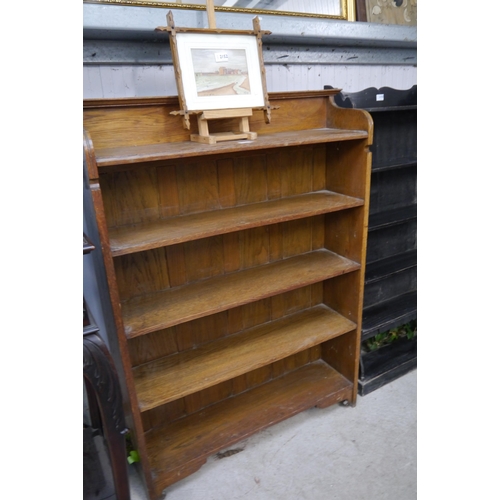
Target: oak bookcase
(235, 271)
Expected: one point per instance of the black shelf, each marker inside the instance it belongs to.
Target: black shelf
(394, 166)
(389, 314)
(392, 217)
(390, 298)
(390, 108)
(382, 268)
(379, 99)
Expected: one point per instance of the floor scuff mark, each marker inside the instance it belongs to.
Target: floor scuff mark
(228, 453)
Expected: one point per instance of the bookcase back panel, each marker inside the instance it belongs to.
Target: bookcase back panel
(130, 197)
(134, 122)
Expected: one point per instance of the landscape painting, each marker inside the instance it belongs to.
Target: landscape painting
(220, 72)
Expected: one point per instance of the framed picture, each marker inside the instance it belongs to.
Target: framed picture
(329, 9)
(219, 71)
(402, 12)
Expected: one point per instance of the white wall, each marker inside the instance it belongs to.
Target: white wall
(105, 81)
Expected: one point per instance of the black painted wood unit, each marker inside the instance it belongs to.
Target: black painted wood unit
(391, 273)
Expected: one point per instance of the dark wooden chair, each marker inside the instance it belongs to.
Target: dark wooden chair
(104, 397)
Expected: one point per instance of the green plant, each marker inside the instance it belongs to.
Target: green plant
(132, 455)
(408, 331)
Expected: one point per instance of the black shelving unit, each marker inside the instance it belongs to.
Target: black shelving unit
(391, 274)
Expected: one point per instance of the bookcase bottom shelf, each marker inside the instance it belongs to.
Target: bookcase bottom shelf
(181, 447)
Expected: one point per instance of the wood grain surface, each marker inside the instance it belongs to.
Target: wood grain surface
(147, 313)
(127, 154)
(165, 232)
(173, 377)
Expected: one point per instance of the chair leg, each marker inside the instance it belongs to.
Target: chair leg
(103, 388)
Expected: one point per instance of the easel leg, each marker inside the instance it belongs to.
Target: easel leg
(245, 128)
(203, 134)
(203, 127)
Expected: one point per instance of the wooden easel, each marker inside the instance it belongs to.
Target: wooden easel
(204, 135)
(203, 116)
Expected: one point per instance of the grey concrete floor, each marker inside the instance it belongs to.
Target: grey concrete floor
(368, 452)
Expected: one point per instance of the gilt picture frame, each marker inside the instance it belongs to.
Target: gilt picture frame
(401, 12)
(321, 9)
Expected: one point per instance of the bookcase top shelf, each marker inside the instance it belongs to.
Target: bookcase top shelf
(128, 132)
(108, 157)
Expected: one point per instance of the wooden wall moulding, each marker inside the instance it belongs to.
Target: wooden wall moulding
(220, 75)
(235, 269)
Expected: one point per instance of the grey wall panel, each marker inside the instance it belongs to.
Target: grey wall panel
(115, 22)
(350, 78)
(104, 81)
(133, 52)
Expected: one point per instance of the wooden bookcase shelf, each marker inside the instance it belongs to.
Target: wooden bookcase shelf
(235, 270)
(152, 312)
(129, 155)
(167, 379)
(125, 240)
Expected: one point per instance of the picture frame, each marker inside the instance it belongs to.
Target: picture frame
(400, 12)
(219, 71)
(327, 9)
